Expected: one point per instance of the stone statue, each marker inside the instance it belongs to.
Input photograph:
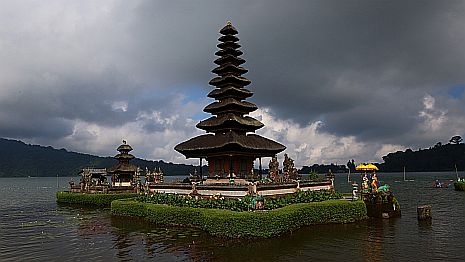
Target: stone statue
(159, 176)
(365, 186)
(195, 177)
(374, 183)
(148, 178)
(384, 188)
(290, 172)
(273, 167)
(155, 176)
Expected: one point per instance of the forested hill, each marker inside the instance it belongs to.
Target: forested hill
(18, 159)
(438, 158)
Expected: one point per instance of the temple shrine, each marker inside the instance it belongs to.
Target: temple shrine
(124, 174)
(230, 145)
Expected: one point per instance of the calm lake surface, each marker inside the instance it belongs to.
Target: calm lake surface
(34, 227)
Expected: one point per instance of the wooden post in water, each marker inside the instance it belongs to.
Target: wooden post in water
(424, 212)
(456, 173)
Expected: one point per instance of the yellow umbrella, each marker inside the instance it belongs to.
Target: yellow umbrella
(371, 167)
(361, 167)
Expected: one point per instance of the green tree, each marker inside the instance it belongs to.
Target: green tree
(456, 140)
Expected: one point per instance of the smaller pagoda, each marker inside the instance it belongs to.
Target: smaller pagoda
(124, 174)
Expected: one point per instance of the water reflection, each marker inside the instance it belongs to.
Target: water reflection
(309, 243)
(156, 241)
(425, 226)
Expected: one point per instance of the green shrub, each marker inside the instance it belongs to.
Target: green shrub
(91, 199)
(237, 204)
(313, 175)
(229, 223)
(459, 186)
(301, 197)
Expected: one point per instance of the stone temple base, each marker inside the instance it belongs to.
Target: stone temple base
(241, 189)
(224, 181)
(104, 189)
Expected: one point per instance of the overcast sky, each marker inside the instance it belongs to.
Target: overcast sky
(333, 80)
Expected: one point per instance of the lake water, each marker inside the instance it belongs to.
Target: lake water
(34, 227)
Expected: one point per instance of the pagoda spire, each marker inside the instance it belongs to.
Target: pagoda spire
(123, 173)
(230, 145)
(229, 109)
(124, 156)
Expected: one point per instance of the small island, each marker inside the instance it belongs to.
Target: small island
(231, 199)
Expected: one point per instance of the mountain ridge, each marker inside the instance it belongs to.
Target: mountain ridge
(18, 159)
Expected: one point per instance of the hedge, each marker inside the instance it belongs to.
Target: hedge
(97, 199)
(459, 186)
(229, 223)
(237, 204)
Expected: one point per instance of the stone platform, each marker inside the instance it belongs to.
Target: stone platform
(212, 187)
(105, 189)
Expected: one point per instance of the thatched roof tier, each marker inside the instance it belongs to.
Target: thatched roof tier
(230, 91)
(124, 156)
(228, 51)
(122, 168)
(225, 45)
(229, 69)
(238, 81)
(230, 105)
(228, 29)
(124, 147)
(230, 122)
(228, 38)
(229, 143)
(231, 59)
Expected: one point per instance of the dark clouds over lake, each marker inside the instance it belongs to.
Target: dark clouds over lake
(334, 79)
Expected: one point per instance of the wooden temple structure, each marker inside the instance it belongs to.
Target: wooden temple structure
(124, 174)
(92, 180)
(230, 145)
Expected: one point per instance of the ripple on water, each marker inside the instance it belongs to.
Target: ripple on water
(34, 227)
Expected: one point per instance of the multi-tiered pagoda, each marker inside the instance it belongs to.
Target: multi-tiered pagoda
(230, 147)
(124, 173)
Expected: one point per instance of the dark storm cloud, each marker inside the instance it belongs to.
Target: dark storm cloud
(361, 67)
(106, 64)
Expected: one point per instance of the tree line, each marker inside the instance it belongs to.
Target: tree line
(18, 159)
(437, 158)
(440, 157)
